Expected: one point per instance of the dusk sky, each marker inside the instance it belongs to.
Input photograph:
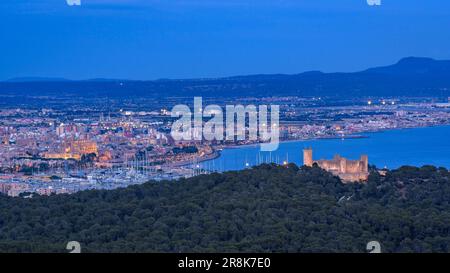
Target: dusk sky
(151, 39)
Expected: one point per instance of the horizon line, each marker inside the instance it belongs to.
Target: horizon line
(24, 79)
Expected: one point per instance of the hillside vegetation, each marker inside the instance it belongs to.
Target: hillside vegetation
(265, 209)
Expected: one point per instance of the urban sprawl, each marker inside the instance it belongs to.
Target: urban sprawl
(54, 145)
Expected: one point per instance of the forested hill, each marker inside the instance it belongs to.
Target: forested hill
(265, 209)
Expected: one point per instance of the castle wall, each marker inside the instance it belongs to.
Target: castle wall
(308, 157)
(347, 170)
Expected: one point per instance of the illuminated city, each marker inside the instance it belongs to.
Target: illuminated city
(58, 150)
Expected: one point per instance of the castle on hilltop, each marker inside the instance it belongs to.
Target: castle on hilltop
(347, 170)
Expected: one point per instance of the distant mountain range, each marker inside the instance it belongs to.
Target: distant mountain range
(36, 79)
(414, 67)
(411, 76)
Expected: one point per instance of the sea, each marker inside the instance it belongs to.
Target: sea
(386, 149)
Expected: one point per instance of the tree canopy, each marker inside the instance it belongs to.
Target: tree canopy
(264, 209)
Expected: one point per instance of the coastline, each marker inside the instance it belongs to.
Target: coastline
(358, 135)
(216, 154)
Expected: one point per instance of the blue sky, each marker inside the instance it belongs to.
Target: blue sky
(150, 39)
